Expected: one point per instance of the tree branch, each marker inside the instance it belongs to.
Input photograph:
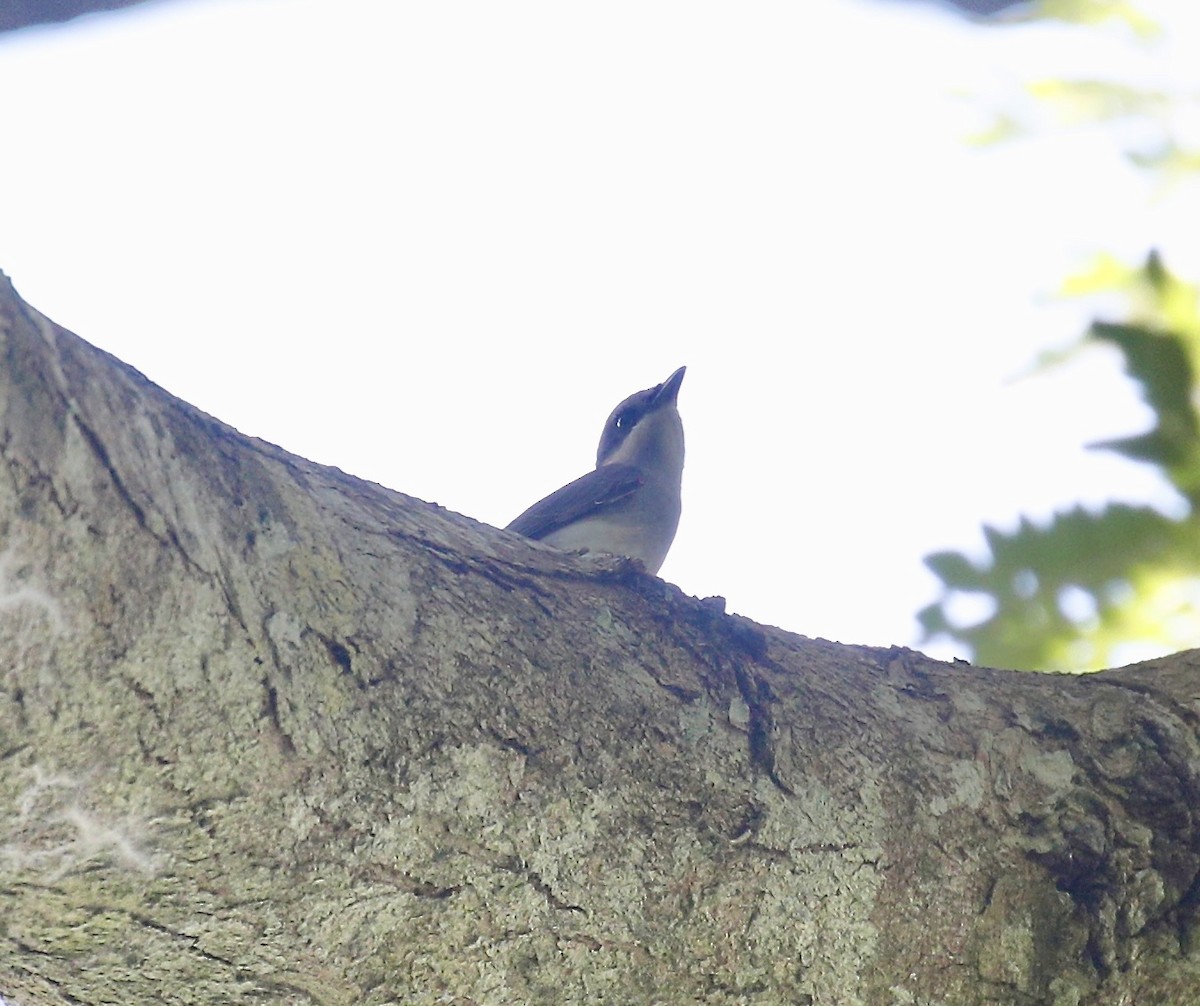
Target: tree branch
(271, 732)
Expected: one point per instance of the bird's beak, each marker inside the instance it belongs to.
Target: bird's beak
(668, 391)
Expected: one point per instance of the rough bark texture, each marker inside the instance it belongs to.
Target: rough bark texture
(272, 734)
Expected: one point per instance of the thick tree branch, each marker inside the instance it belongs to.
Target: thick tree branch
(16, 14)
(269, 732)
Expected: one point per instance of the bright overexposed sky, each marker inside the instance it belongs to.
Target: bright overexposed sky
(434, 243)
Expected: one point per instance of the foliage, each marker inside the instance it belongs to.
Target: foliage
(1093, 589)
(1162, 137)
(1076, 593)
(1097, 12)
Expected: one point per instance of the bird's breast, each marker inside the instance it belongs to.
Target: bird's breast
(641, 528)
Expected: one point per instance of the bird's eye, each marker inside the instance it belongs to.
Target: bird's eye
(623, 421)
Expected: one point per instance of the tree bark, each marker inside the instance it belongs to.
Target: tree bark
(270, 733)
(16, 14)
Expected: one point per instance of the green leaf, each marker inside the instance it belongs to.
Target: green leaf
(955, 570)
(1162, 361)
(1085, 101)
(1115, 562)
(1107, 272)
(1096, 11)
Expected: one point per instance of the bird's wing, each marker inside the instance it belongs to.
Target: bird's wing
(588, 494)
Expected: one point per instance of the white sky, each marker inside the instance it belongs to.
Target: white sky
(435, 243)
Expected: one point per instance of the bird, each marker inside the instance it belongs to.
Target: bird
(629, 505)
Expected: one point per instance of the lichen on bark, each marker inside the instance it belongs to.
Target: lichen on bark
(270, 732)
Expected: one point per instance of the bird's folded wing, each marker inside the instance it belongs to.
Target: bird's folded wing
(586, 496)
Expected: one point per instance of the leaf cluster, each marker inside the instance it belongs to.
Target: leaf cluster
(1164, 138)
(1080, 591)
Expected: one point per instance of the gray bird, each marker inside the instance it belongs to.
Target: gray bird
(630, 504)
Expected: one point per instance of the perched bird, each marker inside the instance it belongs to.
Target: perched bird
(630, 504)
